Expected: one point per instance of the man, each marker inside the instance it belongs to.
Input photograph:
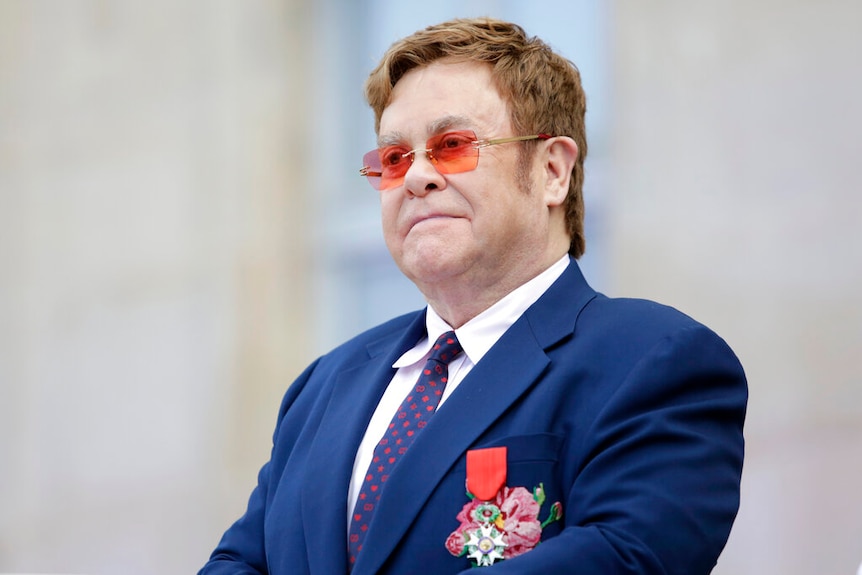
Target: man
(574, 433)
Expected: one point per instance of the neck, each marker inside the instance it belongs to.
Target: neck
(460, 300)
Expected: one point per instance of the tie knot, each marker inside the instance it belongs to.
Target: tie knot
(446, 348)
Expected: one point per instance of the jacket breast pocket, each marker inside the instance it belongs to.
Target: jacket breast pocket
(533, 463)
(531, 460)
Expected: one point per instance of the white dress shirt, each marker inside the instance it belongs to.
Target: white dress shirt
(476, 336)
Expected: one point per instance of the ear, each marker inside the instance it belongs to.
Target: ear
(559, 160)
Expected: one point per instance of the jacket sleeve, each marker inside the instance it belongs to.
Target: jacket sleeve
(657, 488)
(241, 549)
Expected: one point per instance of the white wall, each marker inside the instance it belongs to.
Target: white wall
(737, 199)
(151, 225)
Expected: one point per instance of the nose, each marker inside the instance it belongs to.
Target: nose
(422, 177)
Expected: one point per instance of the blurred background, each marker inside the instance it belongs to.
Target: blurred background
(183, 230)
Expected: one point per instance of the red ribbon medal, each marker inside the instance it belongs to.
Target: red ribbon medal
(486, 472)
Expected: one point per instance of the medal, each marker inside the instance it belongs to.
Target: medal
(485, 545)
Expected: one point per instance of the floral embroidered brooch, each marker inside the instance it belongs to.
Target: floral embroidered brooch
(501, 526)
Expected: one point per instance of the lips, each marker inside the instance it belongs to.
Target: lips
(414, 221)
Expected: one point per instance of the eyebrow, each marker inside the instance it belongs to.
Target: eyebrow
(448, 122)
(438, 126)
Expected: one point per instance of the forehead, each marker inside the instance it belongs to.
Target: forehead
(441, 96)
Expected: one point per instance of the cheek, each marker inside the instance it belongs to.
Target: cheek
(389, 210)
(505, 217)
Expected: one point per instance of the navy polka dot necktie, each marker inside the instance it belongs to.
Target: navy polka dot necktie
(412, 416)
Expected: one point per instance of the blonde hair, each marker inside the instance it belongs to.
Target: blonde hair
(542, 89)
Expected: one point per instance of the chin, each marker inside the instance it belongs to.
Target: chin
(431, 268)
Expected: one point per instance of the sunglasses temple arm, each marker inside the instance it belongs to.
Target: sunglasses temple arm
(515, 139)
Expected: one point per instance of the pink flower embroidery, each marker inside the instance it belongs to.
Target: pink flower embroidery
(455, 543)
(521, 522)
(514, 512)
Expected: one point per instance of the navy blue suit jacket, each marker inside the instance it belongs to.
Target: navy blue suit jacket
(629, 413)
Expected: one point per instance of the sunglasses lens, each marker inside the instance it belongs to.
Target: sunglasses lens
(454, 152)
(372, 169)
(395, 161)
(385, 167)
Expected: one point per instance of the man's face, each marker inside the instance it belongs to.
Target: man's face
(469, 230)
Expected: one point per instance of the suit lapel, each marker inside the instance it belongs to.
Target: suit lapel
(355, 394)
(512, 366)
